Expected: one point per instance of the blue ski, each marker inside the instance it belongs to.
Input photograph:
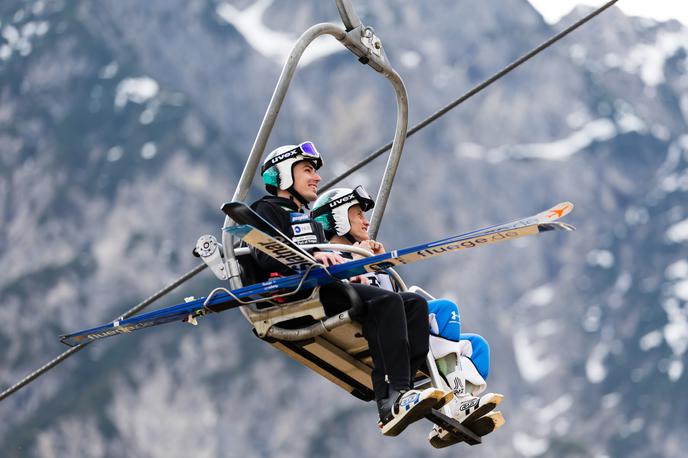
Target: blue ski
(318, 276)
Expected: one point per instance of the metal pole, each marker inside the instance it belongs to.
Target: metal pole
(348, 14)
(276, 102)
(363, 43)
(264, 133)
(395, 155)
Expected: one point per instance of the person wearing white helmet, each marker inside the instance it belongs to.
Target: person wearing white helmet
(393, 324)
(462, 358)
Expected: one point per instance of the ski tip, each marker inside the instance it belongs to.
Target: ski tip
(558, 211)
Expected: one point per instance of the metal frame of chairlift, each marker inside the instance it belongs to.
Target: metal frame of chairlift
(340, 356)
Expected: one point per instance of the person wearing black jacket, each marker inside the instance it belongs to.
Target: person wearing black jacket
(394, 325)
(462, 359)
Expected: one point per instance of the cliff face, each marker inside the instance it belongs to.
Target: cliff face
(123, 126)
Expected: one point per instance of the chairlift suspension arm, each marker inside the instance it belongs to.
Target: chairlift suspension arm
(363, 43)
(348, 14)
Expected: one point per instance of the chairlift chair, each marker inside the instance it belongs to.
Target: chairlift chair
(333, 347)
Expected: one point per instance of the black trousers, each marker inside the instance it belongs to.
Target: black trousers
(396, 328)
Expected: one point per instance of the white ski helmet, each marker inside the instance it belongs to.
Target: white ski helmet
(277, 168)
(331, 209)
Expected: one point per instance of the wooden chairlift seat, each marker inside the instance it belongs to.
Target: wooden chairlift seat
(341, 354)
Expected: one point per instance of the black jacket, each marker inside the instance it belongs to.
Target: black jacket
(285, 215)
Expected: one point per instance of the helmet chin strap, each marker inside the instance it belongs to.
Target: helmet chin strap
(293, 193)
(350, 238)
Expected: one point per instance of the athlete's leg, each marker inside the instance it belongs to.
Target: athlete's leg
(416, 310)
(481, 353)
(446, 315)
(384, 327)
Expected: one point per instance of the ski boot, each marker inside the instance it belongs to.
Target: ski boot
(401, 408)
(467, 408)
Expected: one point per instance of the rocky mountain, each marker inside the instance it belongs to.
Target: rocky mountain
(124, 125)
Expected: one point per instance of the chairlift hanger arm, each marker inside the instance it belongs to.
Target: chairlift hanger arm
(348, 14)
(367, 47)
(264, 132)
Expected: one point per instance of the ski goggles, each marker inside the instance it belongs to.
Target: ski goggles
(358, 195)
(306, 150)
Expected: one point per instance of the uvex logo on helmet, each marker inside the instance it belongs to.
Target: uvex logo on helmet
(341, 201)
(279, 157)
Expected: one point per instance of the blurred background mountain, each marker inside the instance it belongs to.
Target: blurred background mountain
(125, 124)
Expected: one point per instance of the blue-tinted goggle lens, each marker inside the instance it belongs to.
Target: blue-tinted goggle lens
(308, 149)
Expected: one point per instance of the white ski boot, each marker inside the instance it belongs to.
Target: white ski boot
(401, 408)
(466, 407)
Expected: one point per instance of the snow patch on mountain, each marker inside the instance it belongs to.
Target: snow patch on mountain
(558, 150)
(600, 258)
(555, 409)
(676, 330)
(675, 370)
(137, 90)
(651, 340)
(528, 445)
(410, 59)
(109, 71)
(532, 359)
(678, 232)
(540, 296)
(630, 122)
(595, 370)
(677, 270)
(648, 60)
(19, 39)
(149, 150)
(272, 44)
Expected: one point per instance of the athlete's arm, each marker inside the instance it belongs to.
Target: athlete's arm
(329, 259)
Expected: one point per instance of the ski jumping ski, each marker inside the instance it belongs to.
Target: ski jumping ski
(317, 276)
(262, 235)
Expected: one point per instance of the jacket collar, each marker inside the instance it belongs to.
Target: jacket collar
(287, 204)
